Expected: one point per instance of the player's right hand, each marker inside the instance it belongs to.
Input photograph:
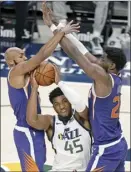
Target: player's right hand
(33, 82)
(70, 27)
(57, 74)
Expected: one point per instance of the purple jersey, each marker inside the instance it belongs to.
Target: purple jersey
(18, 100)
(104, 114)
(27, 139)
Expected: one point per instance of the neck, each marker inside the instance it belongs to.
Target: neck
(114, 71)
(64, 119)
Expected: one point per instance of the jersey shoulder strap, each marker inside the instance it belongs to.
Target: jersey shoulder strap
(53, 128)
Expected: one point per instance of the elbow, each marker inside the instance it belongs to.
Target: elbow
(80, 106)
(29, 120)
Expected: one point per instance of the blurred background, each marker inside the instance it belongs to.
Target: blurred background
(103, 23)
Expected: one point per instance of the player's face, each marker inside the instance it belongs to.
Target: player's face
(62, 106)
(19, 56)
(104, 62)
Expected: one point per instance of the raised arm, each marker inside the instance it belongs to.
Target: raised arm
(73, 97)
(93, 70)
(102, 80)
(75, 41)
(38, 121)
(44, 52)
(81, 48)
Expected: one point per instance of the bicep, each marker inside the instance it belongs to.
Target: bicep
(26, 66)
(91, 57)
(32, 63)
(93, 70)
(83, 117)
(98, 73)
(84, 113)
(41, 123)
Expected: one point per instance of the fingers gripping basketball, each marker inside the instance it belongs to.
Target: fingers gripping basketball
(45, 74)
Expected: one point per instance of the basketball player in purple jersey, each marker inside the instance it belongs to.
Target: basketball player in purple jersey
(27, 139)
(110, 147)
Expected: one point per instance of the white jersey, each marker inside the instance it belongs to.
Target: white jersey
(72, 143)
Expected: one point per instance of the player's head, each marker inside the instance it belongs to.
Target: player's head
(14, 55)
(113, 59)
(60, 104)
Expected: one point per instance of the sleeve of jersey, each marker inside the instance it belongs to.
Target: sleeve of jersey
(73, 97)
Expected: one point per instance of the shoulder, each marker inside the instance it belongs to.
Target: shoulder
(52, 120)
(14, 69)
(116, 78)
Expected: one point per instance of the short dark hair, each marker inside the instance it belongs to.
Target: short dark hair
(55, 93)
(117, 56)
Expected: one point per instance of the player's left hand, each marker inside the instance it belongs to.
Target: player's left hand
(47, 15)
(33, 82)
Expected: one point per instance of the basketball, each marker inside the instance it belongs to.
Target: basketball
(45, 74)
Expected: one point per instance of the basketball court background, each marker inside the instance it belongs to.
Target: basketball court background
(80, 82)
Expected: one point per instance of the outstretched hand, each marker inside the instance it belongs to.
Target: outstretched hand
(70, 27)
(47, 15)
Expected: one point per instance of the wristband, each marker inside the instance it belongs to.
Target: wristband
(53, 28)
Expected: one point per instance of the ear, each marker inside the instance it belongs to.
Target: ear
(11, 63)
(112, 66)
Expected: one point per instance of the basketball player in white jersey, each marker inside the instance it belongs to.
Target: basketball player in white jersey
(68, 131)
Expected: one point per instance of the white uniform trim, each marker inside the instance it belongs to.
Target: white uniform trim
(94, 101)
(101, 149)
(27, 82)
(112, 143)
(100, 153)
(26, 92)
(28, 135)
(5, 168)
(9, 73)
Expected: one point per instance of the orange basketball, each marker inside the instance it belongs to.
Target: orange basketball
(45, 74)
